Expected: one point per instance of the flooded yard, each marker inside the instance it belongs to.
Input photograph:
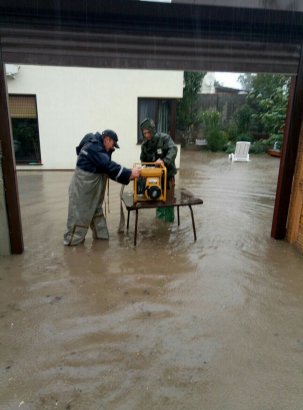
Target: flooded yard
(215, 324)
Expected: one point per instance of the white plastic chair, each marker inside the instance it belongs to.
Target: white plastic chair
(241, 152)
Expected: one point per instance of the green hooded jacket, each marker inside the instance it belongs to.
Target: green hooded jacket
(160, 146)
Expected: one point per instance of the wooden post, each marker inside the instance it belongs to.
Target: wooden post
(289, 154)
(9, 169)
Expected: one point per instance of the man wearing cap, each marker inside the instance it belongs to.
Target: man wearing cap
(87, 187)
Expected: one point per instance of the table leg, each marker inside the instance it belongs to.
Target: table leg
(127, 226)
(136, 227)
(178, 213)
(193, 221)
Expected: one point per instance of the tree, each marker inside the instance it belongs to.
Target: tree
(245, 79)
(268, 100)
(187, 114)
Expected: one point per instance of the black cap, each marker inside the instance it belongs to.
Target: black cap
(111, 134)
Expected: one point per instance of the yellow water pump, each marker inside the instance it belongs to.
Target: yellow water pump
(151, 185)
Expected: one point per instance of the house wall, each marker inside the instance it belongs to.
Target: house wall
(295, 217)
(74, 101)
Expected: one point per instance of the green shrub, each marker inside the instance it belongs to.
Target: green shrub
(257, 147)
(243, 119)
(264, 145)
(275, 140)
(245, 137)
(216, 139)
(232, 131)
(230, 147)
(260, 146)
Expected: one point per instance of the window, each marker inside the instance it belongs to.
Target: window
(162, 111)
(24, 119)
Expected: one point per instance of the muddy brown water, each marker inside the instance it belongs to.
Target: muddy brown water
(171, 324)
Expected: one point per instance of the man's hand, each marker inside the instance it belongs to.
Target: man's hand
(159, 162)
(135, 173)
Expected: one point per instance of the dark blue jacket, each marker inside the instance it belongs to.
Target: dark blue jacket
(92, 157)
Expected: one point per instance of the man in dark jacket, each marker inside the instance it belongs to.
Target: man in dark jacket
(159, 147)
(87, 187)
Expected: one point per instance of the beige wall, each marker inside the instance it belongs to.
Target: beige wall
(74, 101)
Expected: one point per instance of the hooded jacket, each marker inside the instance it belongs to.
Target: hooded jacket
(161, 146)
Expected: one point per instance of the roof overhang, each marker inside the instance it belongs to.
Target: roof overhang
(183, 35)
(284, 5)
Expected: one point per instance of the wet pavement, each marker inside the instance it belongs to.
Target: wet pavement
(171, 324)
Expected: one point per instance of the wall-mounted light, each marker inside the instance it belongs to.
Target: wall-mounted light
(11, 70)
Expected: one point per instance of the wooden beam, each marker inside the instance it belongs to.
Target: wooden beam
(9, 169)
(289, 154)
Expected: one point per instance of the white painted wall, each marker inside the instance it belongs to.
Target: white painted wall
(74, 101)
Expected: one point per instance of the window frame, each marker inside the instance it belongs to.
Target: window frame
(172, 115)
(36, 159)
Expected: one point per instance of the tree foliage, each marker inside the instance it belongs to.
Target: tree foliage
(187, 114)
(245, 80)
(268, 101)
(211, 125)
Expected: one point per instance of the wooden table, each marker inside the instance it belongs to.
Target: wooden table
(180, 198)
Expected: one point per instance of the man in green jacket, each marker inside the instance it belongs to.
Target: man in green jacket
(159, 147)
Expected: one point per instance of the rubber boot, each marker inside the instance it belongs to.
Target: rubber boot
(166, 214)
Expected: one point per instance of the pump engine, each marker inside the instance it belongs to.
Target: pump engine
(151, 185)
